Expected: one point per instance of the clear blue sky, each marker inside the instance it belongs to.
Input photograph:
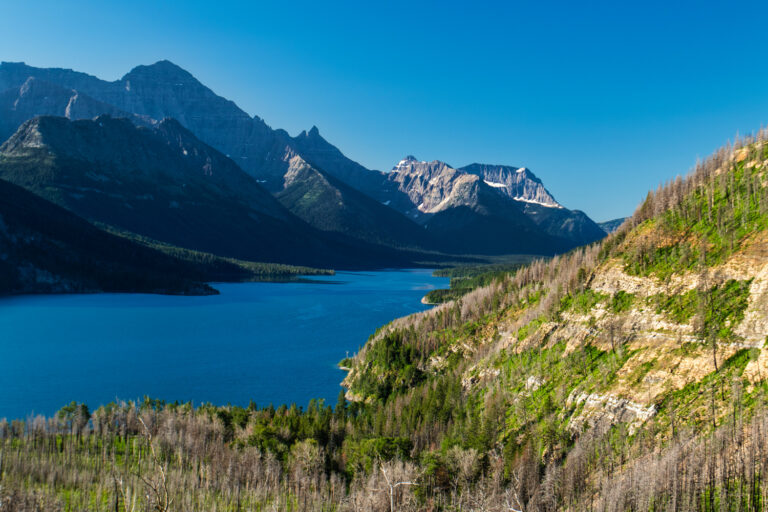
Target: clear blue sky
(602, 100)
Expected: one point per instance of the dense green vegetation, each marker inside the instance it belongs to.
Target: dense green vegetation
(48, 249)
(583, 301)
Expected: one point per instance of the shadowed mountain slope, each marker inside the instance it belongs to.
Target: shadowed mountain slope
(149, 94)
(166, 185)
(46, 249)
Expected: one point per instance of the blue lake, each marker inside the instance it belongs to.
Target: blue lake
(266, 342)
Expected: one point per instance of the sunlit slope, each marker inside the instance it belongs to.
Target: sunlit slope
(659, 328)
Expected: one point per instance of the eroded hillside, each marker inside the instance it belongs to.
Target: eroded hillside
(659, 329)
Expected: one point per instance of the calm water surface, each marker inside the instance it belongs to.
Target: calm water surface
(266, 342)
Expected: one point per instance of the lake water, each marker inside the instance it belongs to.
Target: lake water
(266, 342)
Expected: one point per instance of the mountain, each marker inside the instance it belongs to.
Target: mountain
(149, 94)
(572, 225)
(166, 185)
(476, 215)
(517, 183)
(319, 152)
(610, 226)
(37, 97)
(47, 249)
(157, 92)
(520, 184)
(330, 205)
(164, 90)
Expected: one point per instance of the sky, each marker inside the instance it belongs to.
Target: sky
(601, 100)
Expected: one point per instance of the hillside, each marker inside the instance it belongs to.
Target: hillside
(46, 249)
(627, 375)
(641, 350)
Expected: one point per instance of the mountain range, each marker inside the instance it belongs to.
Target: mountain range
(159, 155)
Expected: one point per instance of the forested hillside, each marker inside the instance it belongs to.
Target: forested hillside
(626, 375)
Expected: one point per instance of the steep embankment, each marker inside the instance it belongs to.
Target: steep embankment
(624, 345)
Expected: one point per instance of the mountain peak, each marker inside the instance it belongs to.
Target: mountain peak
(405, 162)
(312, 134)
(162, 70)
(519, 183)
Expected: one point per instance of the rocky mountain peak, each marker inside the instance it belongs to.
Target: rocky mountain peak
(518, 183)
(412, 164)
(160, 71)
(310, 137)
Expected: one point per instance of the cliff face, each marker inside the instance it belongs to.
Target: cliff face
(36, 97)
(517, 183)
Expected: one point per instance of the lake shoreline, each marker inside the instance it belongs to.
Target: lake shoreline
(264, 341)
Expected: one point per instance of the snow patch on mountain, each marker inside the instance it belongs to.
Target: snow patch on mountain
(533, 201)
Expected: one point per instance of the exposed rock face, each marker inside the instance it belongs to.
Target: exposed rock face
(519, 199)
(517, 183)
(37, 97)
(331, 205)
(163, 90)
(602, 411)
(468, 215)
(324, 155)
(433, 186)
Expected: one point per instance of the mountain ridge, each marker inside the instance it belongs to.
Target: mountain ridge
(164, 184)
(150, 93)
